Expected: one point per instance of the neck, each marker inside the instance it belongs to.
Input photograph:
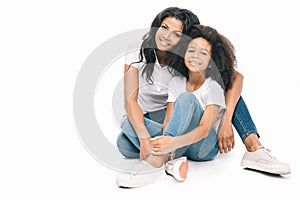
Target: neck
(195, 81)
(161, 57)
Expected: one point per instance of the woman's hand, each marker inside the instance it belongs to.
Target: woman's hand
(225, 136)
(162, 145)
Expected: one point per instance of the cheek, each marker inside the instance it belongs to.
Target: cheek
(206, 62)
(186, 63)
(156, 36)
(186, 59)
(175, 41)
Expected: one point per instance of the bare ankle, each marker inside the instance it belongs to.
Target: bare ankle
(252, 143)
(157, 161)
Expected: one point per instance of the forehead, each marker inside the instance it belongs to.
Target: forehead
(200, 43)
(173, 23)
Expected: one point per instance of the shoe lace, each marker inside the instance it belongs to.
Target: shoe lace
(141, 166)
(268, 153)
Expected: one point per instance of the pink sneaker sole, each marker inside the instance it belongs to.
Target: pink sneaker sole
(178, 168)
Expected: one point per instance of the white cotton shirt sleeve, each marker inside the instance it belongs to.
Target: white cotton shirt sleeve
(132, 55)
(214, 94)
(152, 96)
(209, 93)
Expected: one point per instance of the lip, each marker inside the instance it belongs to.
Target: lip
(195, 63)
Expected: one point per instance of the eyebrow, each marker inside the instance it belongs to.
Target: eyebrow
(193, 46)
(169, 27)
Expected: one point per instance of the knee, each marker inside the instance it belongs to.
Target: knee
(126, 148)
(125, 122)
(186, 97)
(127, 129)
(120, 140)
(188, 100)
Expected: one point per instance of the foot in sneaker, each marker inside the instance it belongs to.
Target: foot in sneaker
(178, 168)
(262, 160)
(142, 174)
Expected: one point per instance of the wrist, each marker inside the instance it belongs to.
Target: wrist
(144, 139)
(178, 142)
(227, 116)
(143, 135)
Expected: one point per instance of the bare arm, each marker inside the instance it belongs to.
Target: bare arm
(134, 111)
(225, 132)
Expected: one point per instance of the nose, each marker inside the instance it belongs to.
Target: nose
(196, 54)
(167, 35)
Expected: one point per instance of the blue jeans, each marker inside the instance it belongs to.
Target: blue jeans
(128, 143)
(186, 117)
(242, 120)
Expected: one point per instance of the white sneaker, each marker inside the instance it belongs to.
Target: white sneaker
(262, 160)
(178, 168)
(142, 174)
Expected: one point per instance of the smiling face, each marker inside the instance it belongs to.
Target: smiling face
(169, 33)
(197, 55)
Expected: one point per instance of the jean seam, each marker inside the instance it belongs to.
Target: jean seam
(244, 129)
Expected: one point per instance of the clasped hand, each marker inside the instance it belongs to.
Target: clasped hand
(162, 145)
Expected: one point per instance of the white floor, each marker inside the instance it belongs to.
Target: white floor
(222, 178)
(43, 46)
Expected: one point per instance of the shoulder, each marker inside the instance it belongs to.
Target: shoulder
(132, 54)
(213, 85)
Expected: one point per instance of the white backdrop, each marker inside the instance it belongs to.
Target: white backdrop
(43, 46)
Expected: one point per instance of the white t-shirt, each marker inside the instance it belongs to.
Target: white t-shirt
(209, 93)
(151, 97)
